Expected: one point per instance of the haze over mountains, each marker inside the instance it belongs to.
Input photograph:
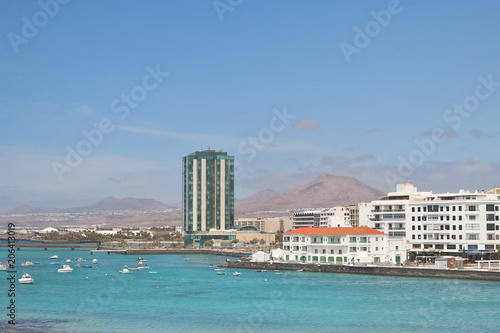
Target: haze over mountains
(323, 191)
(107, 204)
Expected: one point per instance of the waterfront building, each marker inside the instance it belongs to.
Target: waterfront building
(344, 245)
(207, 196)
(464, 223)
(427, 224)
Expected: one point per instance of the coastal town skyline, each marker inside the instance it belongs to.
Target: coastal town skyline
(367, 90)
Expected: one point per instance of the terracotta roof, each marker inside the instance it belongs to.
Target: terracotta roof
(334, 231)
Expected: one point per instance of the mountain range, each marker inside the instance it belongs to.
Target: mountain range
(107, 204)
(323, 191)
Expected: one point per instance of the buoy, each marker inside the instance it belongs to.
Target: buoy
(265, 280)
(157, 287)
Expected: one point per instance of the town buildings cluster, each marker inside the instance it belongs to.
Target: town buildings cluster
(404, 224)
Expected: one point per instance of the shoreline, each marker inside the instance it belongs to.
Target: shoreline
(222, 252)
(463, 274)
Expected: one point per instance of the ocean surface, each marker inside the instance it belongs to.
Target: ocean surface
(188, 296)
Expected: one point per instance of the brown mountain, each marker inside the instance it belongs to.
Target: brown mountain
(108, 204)
(323, 191)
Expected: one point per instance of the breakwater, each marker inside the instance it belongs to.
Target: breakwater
(468, 274)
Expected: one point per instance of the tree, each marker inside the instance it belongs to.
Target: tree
(236, 240)
(254, 241)
(278, 236)
(262, 241)
(209, 243)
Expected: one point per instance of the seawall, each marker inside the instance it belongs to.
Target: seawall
(370, 270)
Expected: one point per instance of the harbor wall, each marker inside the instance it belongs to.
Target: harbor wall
(468, 274)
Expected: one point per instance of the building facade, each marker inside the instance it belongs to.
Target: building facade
(207, 194)
(427, 224)
(345, 245)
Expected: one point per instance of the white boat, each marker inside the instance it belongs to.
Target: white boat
(94, 261)
(126, 271)
(27, 263)
(68, 261)
(26, 279)
(80, 259)
(186, 259)
(236, 273)
(133, 269)
(65, 269)
(221, 273)
(3, 267)
(219, 269)
(54, 257)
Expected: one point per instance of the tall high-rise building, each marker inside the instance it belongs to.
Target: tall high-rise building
(207, 195)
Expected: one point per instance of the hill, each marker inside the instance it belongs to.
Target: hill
(323, 191)
(107, 204)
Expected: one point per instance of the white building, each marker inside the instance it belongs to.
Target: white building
(426, 224)
(325, 218)
(339, 246)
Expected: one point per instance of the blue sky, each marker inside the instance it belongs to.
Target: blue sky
(290, 88)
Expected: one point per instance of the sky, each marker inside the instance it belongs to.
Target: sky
(104, 98)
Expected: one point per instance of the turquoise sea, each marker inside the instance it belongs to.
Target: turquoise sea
(188, 296)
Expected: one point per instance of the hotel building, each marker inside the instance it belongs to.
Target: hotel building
(207, 196)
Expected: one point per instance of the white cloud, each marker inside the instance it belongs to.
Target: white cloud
(306, 125)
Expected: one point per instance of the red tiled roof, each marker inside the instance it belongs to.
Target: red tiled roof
(334, 231)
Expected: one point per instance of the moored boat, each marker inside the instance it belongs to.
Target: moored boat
(126, 271)
(26, 279)
(65, 269)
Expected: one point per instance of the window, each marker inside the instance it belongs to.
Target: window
(419, 227)
(413, 218)
(439, 246)
(418, 209)
(441, 208)
(490, 208)
(459, 208)
(454, 218)
(412, 227)
(447, 208)
(397, 247)
(451, 247)
(460, 227)
(490, 226)
(315, 250)
(454, 227)
(453, 208)
(418, 219)
(340, 251)
(459, 236)
(413, 209)
(412, 236)
(460, 217)
(490, 217)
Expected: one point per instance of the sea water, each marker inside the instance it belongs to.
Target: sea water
(188, 296)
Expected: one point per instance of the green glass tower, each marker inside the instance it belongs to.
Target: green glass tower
(207, 194)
